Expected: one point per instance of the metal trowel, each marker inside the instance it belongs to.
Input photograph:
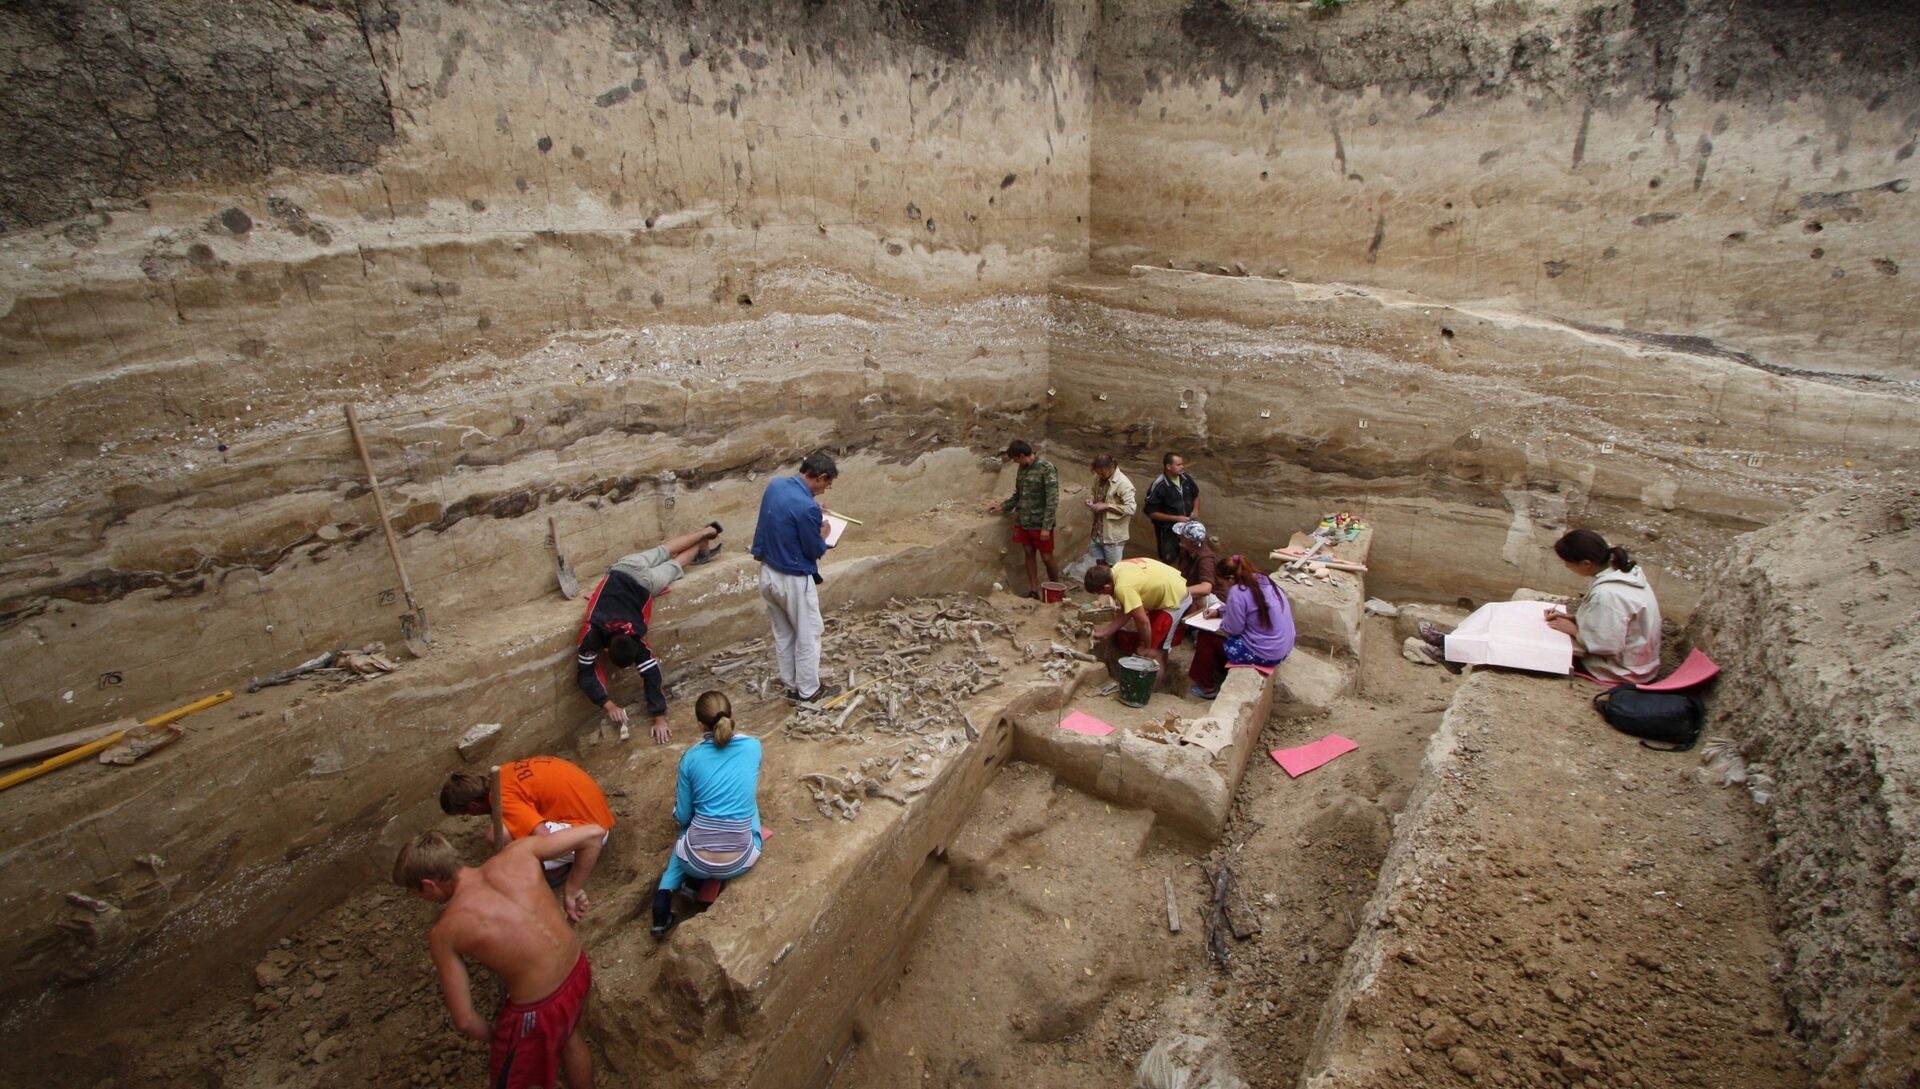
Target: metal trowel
(569, 582)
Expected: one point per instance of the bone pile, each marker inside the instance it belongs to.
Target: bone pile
(842, 795)
(898, 681)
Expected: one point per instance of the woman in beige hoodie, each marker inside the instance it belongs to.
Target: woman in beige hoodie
(1616, 626)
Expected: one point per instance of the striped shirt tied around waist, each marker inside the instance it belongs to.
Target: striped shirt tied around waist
(708, 837)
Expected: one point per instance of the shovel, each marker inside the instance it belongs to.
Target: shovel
(413, 624)
(569, 582)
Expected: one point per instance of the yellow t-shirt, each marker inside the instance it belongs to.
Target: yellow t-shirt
(1146, 582)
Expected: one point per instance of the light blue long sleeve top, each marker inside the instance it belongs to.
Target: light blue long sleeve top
(718, 781)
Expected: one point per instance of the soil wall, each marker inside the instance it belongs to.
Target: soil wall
(1812, 620)
(1468, 437)
(615, 262)
(1739, 172)
(560, 253)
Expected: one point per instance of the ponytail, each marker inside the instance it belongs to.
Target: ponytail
(1586, 546)
(1245, 574)
(715, 714)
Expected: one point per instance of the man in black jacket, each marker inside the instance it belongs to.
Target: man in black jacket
(1173, 498)
(617, 618)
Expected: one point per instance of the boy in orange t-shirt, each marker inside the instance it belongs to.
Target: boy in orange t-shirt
(538, 796)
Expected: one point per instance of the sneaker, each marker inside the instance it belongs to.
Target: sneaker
(1440, 658)
(793, 695)
(1200, 693)
(824, 692)
(659, 932)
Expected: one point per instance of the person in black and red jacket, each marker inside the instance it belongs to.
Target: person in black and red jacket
(617, 618)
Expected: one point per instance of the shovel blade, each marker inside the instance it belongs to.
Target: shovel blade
(414, 634)
(569, 582)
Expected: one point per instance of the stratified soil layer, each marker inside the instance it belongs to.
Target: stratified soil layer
(1475, 270)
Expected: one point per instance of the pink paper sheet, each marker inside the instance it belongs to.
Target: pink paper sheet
(1265, 671)
(1082, 723)
(1302, 759)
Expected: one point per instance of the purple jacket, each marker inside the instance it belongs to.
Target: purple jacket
(1241, 616)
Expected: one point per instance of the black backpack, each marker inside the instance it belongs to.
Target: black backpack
(1671, 717)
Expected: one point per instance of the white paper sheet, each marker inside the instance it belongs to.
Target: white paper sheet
(1512, 634)
(1202, 621)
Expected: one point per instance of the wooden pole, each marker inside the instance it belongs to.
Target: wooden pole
(386, 525)
(75, 755)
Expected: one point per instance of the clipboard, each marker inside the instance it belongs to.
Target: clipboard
(836, 525)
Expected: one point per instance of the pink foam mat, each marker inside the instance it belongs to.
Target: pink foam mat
(1697, 669)
(1082, 723)
(1302, 759)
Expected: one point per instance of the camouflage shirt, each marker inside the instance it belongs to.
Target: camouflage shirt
(1036, 492)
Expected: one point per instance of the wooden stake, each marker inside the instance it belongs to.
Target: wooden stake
(493, 801)
(1173, 907)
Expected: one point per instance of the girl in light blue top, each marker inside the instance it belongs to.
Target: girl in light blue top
(715, 807)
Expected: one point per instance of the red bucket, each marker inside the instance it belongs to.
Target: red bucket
(1053, 592)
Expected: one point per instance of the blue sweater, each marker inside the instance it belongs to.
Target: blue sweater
(787, 537)
(719, 782)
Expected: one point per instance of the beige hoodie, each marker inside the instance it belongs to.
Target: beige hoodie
(1619, 622)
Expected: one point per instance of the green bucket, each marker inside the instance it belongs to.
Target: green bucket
(1137, 675)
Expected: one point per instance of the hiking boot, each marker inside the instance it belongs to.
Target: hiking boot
(824, 692)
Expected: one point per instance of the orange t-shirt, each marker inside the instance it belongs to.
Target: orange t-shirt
(547, 788)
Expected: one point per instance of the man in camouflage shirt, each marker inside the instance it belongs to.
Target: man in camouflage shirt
(1036, 492)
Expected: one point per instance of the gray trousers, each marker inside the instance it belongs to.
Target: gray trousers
(793, 604)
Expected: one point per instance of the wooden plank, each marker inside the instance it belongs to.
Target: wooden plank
(59, 743)
(1173, 907)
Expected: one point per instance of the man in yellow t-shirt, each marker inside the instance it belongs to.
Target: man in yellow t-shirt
(1152, 598)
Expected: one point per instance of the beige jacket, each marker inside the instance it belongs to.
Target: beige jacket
(1115, 524)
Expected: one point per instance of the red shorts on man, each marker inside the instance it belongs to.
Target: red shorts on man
(527, 1040)
(1127, 639)
(1040, 540)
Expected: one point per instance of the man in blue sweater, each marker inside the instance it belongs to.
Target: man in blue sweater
(789, 540)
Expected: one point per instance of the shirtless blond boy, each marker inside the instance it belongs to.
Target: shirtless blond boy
(502, 914)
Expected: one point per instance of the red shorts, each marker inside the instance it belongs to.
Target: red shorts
(527, 1039)
(1040, 540)
(1128, 638)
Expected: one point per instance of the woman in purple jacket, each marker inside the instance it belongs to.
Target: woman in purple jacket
(1256, 628)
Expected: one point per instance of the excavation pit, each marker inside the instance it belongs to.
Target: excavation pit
(962, 920)
(1477, 273)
